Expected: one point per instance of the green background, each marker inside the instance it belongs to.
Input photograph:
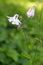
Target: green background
(24, 46)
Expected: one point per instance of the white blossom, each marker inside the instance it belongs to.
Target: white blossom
(31, 12)
(14, 19)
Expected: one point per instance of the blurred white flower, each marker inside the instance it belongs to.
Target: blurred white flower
(14, 19)
(31, 12)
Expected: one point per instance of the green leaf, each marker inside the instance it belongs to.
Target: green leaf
(25, 55)
(13, 54)
(3, 34)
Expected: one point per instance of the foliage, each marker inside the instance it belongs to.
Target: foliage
(24, 46)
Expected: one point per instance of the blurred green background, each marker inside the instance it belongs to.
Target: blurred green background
(24, 46)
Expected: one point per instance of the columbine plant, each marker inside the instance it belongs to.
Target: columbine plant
(14, 20)
(31, 12)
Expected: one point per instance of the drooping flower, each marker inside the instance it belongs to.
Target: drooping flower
(31, 12)
(14, 19)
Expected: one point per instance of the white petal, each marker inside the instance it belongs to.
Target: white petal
(16, 22)
(10, 19)
(16, 16)
(13, 22)
(31, 12)
(14, 19)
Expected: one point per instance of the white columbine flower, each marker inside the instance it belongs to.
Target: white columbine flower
(31, 12)
(14, 19)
